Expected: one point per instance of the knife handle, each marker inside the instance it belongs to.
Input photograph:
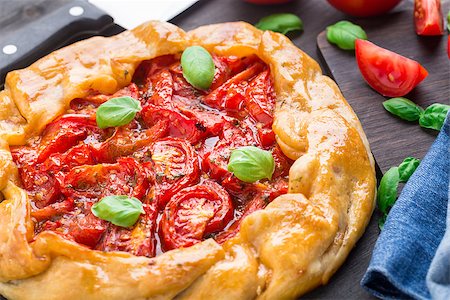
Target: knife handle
(72, 21)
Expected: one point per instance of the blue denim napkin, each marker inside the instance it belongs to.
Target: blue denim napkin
(413, 231)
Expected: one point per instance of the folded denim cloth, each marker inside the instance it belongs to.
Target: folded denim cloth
(413, 231)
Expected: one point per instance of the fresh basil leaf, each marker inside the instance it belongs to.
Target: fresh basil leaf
(282, 23)
(381, 221)
(344, 34)
(387, 191)
(122, 211)
(251, 164)
(403, 108)
(407, 168)
(117, 112)
(434, 116)
(198, 67)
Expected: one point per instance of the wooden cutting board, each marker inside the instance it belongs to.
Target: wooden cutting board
(392, 139)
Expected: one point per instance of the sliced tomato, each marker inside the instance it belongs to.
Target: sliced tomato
(140, 240)
(79, 155)
(126, 177)
(175, 165)
(387, 72)
(260, 99)
(41, 185)
(128, 139)
(212, 121)
(180, 126)
(428, 17)
(85, 228)
(231, 94)
(52, 210)
(161, 89)
(193, 213)
(233, 136)
(64, 133)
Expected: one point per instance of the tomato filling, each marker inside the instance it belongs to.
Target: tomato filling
(172, 157)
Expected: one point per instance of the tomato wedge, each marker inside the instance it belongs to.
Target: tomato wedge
(260, 99)
(180, 126)
(138, 241)
(79, 155)
(126, 177)
(176, 166)
(428, 17)
(193, 213)
(387, 72)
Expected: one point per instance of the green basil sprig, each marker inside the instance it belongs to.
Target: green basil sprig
(282, 23)
(432, 117)
(387, 190)
(117, 112)
(251, 164)
(198, 67)
(344, 34)
(120, 210)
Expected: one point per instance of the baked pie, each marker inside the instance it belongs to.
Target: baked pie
(201, 232)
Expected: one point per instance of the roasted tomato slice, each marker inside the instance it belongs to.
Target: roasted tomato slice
(428, 17)
(126, 177)
(41, 185)
(235, 134)
(128, 139)
(84, 227)
(387, 72)
(180, 126)
(260, 99)
(79, 155)
(231, 95)
(140, 240)
(161, 89)
(54, 209)
(66, 132)
(193, 213)
(175, 165)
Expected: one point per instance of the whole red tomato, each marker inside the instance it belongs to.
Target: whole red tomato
(364, 8)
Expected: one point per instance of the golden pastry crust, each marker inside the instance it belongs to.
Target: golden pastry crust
(295, 244)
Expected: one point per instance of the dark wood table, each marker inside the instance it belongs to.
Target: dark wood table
(316, 15)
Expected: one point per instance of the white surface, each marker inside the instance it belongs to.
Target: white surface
(131, 13)
(9, 49)
(76, 11)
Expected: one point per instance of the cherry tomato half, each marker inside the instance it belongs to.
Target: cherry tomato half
(428, 17)
(364, 8)
(126, 177)
(176, 166)
(387, 72)
(260, 99)
(194, 212)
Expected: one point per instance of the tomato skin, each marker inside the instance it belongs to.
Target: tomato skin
(428, 17)
(194, 212)
(81, 154)
(176, 166)
(387, 72)
(260, 99)
(53, 209)
(180, 126)
(64, 133)
(364, 8)
(86, 229)
(126, 177)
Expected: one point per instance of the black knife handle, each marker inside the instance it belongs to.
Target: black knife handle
(54, 29)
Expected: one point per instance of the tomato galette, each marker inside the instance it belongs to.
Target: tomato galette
(217, 163)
